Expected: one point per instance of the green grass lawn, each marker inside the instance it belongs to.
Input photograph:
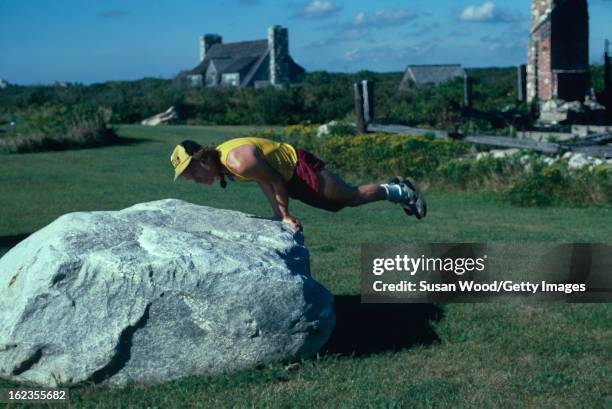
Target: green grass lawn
(454, 355)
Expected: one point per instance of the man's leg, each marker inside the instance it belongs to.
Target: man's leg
(338, 194)
(337, 191)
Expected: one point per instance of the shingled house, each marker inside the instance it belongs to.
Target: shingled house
(420, 75)
(246, 63)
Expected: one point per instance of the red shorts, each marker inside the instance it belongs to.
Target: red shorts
(305, 183)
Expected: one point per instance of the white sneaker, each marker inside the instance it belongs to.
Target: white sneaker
(411, 199)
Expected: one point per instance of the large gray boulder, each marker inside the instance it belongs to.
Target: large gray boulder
(155, 292)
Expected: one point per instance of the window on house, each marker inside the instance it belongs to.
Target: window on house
(232, 80)
(196, 80)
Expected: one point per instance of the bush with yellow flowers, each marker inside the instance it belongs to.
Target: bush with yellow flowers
(524, 178)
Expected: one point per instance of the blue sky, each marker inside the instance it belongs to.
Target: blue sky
(92, 41)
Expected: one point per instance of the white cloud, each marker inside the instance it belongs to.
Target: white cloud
(351, 55)
(359, 18)
(392, 53)
(384, 17)
(488, 12)
(484, 12)
(364, 24)
(317, 9)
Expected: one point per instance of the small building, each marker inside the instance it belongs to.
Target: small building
(558, 54)
(417, 76)
(255, 63)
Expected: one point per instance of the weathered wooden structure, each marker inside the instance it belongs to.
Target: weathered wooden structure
(592, 145)
(364, 104)
(521, 86)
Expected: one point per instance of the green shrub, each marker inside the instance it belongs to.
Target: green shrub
(553, 184)
(340, 128)
(379, 155)
(321, 98)
(530, 192)
(57, 128)
(524, 179)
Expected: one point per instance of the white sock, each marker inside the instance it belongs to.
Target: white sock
(394, 192)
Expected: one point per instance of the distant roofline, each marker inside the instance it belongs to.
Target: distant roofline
(240, 42)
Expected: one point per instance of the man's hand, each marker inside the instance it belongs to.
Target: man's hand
(295, 223)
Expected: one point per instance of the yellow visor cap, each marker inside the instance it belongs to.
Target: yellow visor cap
(180, 159)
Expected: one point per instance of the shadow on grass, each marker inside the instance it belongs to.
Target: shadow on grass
(117, 141)
(121, 140)
(363, 329)
(50, 145)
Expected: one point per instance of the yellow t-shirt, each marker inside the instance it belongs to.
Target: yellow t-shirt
(281, 156)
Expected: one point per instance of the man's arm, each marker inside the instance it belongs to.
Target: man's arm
(246, 161)
(268, 191)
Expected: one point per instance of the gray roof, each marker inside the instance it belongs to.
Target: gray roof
(232, 57)
(231, 65)
(241, 65)
(254, 67)
(238, 50)
(220, 63)
(430, 74)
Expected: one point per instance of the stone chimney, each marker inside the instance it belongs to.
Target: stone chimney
(540, 9)
(207, 41)
(278, 45)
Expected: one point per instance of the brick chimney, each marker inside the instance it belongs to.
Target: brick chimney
(558, 59)
(207, 41)
(278, 45)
